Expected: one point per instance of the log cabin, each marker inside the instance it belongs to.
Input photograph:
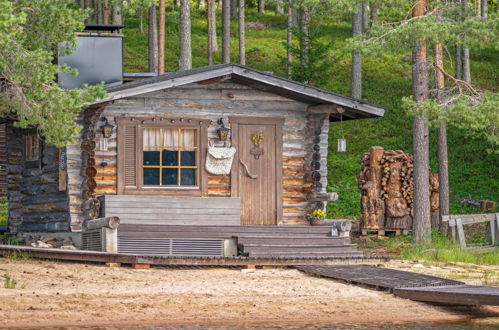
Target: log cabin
(192, 155)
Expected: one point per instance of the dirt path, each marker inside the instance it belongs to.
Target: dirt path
(61, 294)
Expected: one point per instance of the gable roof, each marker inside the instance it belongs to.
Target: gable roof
(353, 108)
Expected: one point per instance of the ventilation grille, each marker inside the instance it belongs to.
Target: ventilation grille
(171, 246)
(91, 240)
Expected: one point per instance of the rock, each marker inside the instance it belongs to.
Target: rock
(40, 244)
(67, 241)
(47, 239)
(418, 266)
(68, 247)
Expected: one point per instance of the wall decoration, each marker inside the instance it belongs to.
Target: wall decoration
(257, 138)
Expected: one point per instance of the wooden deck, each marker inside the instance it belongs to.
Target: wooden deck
(409, 285)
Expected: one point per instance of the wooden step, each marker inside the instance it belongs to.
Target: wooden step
(307, 254)
(271, 248)
(193, 234)
(239, 229)
(293, 240)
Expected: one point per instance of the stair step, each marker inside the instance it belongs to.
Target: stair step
(293, 240)
(233, 229)
(307, 254)
(298, 248)
(200, 234)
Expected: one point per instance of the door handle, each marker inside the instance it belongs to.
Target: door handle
(253, 176)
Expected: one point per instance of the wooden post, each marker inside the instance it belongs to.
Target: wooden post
(460, 233)
(63, 181)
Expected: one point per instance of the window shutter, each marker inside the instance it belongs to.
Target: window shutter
(130, 156)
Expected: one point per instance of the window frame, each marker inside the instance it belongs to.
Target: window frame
(32, 142)
(200, 125)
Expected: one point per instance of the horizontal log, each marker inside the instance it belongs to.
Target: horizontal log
(293, 209)
(292, 181)
(102, 190)
(218, 189)
(322, 197)
(213, 180)
(107, 222)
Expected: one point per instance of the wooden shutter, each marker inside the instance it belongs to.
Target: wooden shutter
(127, 157)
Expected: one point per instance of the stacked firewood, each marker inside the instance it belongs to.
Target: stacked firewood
(387, 182)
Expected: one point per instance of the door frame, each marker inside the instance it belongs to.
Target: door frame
(234, 173)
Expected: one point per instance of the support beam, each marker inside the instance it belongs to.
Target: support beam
(325, 108)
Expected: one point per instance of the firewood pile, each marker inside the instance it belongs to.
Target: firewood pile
(386, 181)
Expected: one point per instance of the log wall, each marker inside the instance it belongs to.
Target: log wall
(35, 202)
(211, 101)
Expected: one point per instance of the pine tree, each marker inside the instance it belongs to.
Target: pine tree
(242, 43)
(185, 56)
(226, 31)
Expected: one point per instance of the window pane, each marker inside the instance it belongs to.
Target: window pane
(151, 158)
(188, 177)
(170, 137)
(170, 158)
(188, 158)
(151, 176)
(151, 137)
(170, 176)
(188, 138)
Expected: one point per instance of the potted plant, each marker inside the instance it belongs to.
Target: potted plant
(316, 217)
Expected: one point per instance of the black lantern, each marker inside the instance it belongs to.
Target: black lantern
(222, 131)
(107, 129)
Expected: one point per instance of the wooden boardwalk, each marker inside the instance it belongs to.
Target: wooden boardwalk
(127, 258)
(408, 285)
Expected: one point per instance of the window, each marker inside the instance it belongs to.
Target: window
(169, 156)
(31, 146)
(161, 156)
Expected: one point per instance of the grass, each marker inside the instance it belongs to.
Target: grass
(440, 249)
(3, 211)
(10, 283)
(386, 79)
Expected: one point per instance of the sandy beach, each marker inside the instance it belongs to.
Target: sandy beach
(62, 294)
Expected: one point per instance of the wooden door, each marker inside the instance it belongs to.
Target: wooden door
(258, 170)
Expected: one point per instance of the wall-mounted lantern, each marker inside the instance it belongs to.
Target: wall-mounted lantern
(107, 129)
(342, 142)
(222, 131)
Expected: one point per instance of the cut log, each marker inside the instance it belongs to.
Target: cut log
(322, 197)
(108, 222)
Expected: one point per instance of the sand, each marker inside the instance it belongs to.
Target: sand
(51, 294)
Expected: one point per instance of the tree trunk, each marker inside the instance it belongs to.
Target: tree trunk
(484, 9)
(226, 31)
(422, 216)
(117, 17)
(213, 23)
(185, 56)
(374, 14)
(466, 50)
(279, 9)
(98, 11)
(365, 16)
(233, 9)
(201, 4)
(161, 42)
(443, 170)
(242, 44)
(88, 4)
(459, 63)
(152, 37)
(105, 12)
(305, 37)
(289, 42)
(261, 6)
(356, 83)
(211, 8)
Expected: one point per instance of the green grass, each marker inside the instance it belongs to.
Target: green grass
(442, 249)
(386, 79)
(3, 211)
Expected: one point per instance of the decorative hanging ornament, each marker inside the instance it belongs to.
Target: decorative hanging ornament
(257, 138)
(342, 142)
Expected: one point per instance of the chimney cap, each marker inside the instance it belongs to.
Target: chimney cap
(102, 27)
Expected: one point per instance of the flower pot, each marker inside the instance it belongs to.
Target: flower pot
(317, 222)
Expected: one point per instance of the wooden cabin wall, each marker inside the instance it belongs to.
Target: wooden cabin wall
(213, 101)
(35, 202)
(3, 160)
